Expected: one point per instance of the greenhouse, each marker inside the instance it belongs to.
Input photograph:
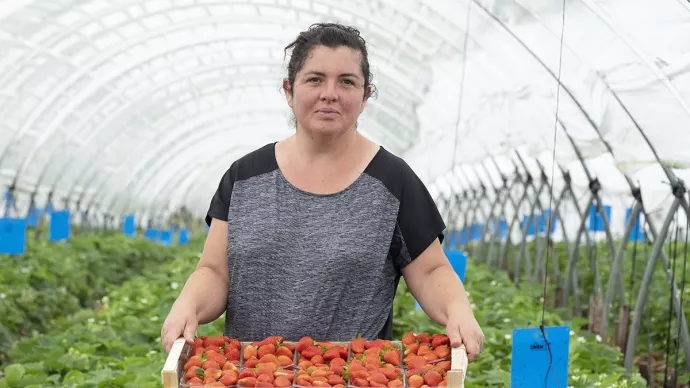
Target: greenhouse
(520, 167)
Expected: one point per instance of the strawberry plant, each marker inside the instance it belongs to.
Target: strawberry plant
(56, 279)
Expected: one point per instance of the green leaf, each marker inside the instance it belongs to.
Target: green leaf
(14, 374)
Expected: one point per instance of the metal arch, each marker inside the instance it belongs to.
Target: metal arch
(189, 177)
(654, 69)
(116, 135)
(133, 178)
(183, 76)
(112, 96)
(133, 183)
(177, 26)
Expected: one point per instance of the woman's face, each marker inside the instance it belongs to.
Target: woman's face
(328, 94)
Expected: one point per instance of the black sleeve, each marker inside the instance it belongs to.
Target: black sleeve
(419, 221)
(220, 203)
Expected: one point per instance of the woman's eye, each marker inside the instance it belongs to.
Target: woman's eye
(349, 82)
(314, 79)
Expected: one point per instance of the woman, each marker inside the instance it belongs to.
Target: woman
(310, 235)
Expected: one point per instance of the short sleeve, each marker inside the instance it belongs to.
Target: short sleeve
(220, 203)
(419, 221)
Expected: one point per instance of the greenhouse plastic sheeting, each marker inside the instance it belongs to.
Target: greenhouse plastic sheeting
(139, 107)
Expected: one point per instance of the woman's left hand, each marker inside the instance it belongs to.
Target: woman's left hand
(463, 329)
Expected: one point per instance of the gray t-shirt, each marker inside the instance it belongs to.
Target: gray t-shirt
(326, 266)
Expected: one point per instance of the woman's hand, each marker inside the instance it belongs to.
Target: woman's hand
(463, 329)
(182, 321)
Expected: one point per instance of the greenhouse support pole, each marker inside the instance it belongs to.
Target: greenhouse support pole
(507, 195)
(644, 289)
(492, 219)
(616, 267)
(524, 255)
(504, 247)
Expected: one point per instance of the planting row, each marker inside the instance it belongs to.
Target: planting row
(53, 280)
(417, 361)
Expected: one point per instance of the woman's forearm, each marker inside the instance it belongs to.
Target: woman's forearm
(203, 293)
(442, 294)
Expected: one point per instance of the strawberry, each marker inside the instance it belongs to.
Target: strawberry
(249, 352)
(415, 381)
(318, 360)
(358, 373)
(392, 356)
(442, 351)
(212, 373)
(412, 349)
(304, 343)
(194, 372)
(331, 354)
(429, 357)
(193, 361)
(311, 351)
(247, 382)
(335, 380)
(268, 378)
(416, 362)
(284, 351)
(264, 384)
(210, 364)
(266, 349)
(439, 340)
(217, 341)
(390, 373)
(445, 365)
(343, 352)
(282, 381)
(409, 339)
(284, 360)
(195, 382)
(395, 383)
(424, 338)
(432, 378)
(228, 379)
(357, 345)
(424, 349)
(246, 373)
(358, 382)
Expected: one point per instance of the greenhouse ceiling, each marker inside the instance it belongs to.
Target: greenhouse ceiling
(140, 106)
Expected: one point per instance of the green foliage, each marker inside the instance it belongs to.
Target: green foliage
(56, 279)
(499, 307)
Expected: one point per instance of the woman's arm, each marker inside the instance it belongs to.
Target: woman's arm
(204, 296)
(438, 289)
(206, 290)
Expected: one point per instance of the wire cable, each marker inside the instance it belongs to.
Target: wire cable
(553, 167)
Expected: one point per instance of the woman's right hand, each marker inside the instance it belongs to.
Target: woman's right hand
(181, 322)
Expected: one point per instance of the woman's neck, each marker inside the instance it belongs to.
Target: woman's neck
(313, 149)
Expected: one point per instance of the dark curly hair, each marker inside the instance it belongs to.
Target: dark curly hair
(331, 35)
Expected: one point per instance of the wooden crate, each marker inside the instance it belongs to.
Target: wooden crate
(173, 369)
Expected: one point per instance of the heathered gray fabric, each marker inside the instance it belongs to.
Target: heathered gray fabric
(316, 277)
(301, 264)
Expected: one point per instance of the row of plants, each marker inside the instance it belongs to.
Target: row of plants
(52, 280)
(119, 345)
(658, 336)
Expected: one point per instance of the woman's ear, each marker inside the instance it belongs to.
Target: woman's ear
(367, 94)
(286, 89)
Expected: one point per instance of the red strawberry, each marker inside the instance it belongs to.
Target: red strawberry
(395, 383)
(445, 365)
(310, 352)
(335, 380)
(416, 381)
(304, 343)
(193, 361)
(228, 379)
(247, 382)
(392, 357)
(331, 354)
(213, 373)
(442, 351)
(282, 381)
(284, 351)
(409, 339)
(424, 338)
(432, 378)
(412, 349)
(358, 382)
(249, 352)
(266, 349)
(439, 340)
(357, 345)
(416, 362)
(424, 349)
